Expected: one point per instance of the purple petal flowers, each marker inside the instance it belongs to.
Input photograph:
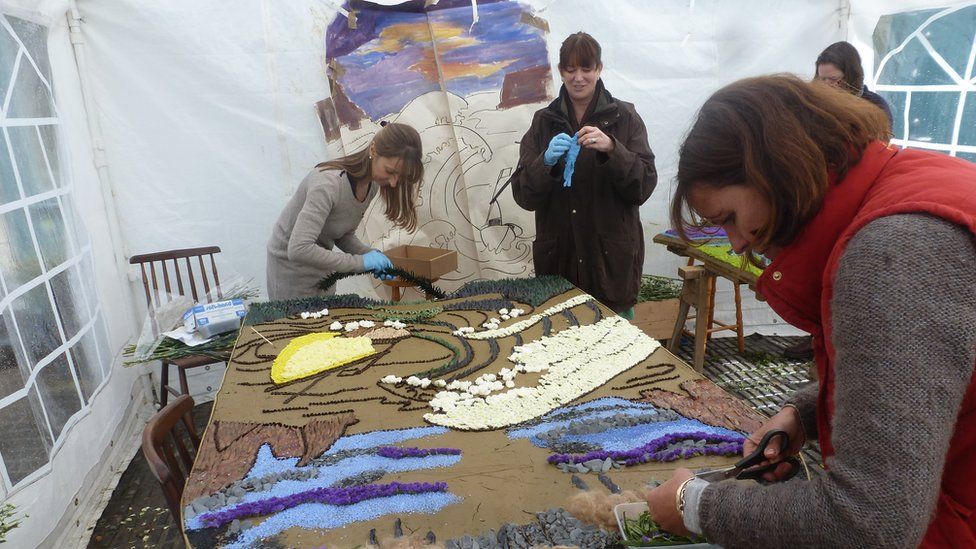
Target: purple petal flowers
(330, 496)
(396, 452)
(657, 450)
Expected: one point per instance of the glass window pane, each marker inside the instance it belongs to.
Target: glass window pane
(8, 183)
(13, 368)
(108, 353)
(967, 126)
(967, 156)
(30, 97)
(932, 115)
(69, 301)
(49, 140)
(8, 54)
(87, 366)
(34, 37)
(913, 65)
(50, 232)
(58, 393)
(24, 443)
(35, 320)
(18, 259)
(29, 159)
(72, 220)
(952, 36)
(896, 101)
(87, 273)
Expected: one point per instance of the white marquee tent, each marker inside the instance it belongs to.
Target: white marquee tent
(132, 126)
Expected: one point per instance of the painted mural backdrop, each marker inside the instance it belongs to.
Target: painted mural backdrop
(470, 88)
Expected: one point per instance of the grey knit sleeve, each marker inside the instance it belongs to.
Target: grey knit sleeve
(303, 245)
(805, 400)
(904, 334)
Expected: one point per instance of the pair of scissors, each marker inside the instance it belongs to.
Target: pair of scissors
(748, 468)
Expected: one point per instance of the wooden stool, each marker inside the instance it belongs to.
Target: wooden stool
(715, 326)
(395, 288)
(695, 285)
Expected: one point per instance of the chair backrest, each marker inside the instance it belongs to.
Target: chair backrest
(165, 447)
(178, 272)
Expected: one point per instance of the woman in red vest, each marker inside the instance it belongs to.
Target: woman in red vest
(873, 252)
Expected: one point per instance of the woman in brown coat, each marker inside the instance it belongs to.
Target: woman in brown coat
(587, 217)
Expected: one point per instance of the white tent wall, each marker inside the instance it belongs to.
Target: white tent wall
(209, 120)
(61, 497)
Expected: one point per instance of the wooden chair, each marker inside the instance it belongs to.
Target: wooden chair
(169, 456)
(178, 272)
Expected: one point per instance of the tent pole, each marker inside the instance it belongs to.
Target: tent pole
(77, 38)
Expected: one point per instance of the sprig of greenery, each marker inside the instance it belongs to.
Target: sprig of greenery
(7, 520)
(422, 283)
(415, 315)
(217, 348)
(658, 288)
(172, 349)
(644, 532)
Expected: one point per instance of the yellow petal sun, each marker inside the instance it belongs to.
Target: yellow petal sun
(315, 353)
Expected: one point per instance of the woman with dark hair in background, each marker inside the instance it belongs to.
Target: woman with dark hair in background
(839, 65)
(585, 167)
(329, 205)
(873, 252)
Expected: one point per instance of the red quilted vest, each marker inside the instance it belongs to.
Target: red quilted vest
(798, 285)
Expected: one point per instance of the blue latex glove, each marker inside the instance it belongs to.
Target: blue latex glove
(574, 149)
(558, 146)
(377, 263)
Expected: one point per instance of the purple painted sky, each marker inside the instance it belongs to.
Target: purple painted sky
(388, 60)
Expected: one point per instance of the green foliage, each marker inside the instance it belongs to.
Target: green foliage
(269, 311)
(644, 532)
(534, 291)
(415, 315)
(422, 283)
(7, 520)
(658, 288)
(434, 372)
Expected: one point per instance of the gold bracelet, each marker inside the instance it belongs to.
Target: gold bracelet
(679, 497)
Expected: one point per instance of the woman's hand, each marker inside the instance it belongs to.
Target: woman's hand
(662, 503)
(374, 261)
(591, 137)
(558, 146)
(788, 419)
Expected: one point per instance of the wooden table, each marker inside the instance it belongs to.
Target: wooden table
(335, 423)
(699, 292)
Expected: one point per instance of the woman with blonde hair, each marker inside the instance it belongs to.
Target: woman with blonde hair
(328, 206)
(873, 251)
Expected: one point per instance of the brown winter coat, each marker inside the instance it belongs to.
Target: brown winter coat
(589, 233)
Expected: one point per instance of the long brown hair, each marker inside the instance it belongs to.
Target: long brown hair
(394, 140)
(844, 56)
(782, 136)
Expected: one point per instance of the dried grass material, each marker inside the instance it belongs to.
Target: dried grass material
(385, 333)
(596, 508)
(413, 541)
(555, 547)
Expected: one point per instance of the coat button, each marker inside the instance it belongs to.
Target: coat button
(580, 260)
(777, 275)
(574, 211)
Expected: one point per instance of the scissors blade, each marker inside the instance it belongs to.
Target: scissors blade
(721, 473)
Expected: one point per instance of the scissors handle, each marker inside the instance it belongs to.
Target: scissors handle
(748, 464)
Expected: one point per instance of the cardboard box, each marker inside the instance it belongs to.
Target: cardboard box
(215, 318)
(657, 318)
(430, 263)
